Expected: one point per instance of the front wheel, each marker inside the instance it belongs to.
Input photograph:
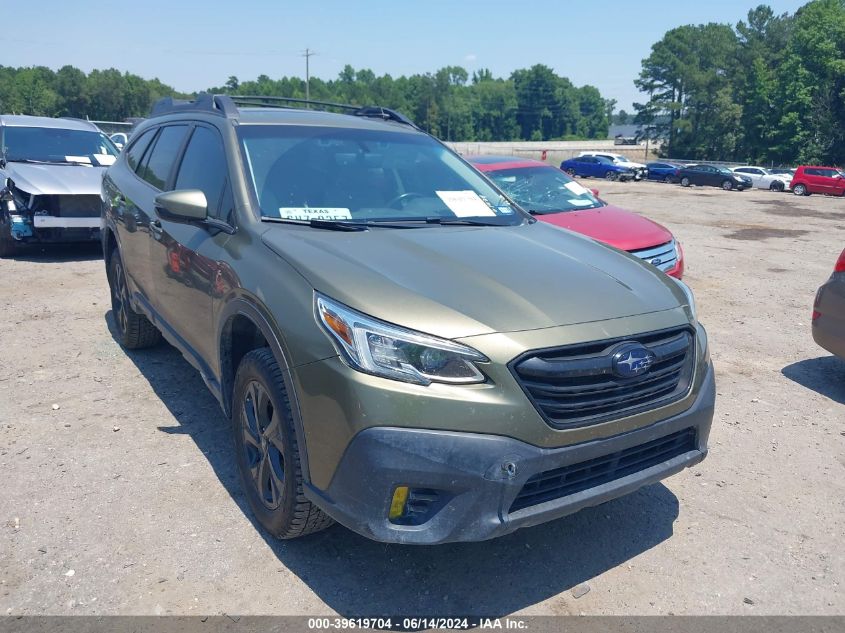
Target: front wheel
(571, 172)
(727, 185)
(800, 190)
(685, 182)
(267, 452)
(611, 175)
(8, 245)
(668, 180)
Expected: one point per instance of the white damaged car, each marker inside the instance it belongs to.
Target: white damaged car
(50, 180)
(765, 179)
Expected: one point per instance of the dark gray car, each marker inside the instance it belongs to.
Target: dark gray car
(399, 346)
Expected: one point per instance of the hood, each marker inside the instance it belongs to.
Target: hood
(633, 164)
(454, 281)
(58, 179)
(623, 229)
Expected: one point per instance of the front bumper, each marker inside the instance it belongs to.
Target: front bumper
(467, 483)
(829, 322)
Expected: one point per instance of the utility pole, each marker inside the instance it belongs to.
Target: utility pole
(307, 55)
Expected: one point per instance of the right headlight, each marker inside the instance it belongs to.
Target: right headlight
(387, 350)
(690, 297)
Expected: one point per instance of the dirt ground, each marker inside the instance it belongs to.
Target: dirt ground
(120, 493)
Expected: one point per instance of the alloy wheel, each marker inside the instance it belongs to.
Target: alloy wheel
(263, 445)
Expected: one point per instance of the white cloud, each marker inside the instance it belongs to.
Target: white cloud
(470, 58)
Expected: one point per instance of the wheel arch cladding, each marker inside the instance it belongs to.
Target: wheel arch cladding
(243, 329)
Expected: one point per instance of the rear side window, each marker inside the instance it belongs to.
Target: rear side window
(159, 162)
(204, 167)
(136, 151)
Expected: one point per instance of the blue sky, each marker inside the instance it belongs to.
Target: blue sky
(192, 44)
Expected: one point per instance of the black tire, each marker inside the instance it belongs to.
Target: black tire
(267, 452)
(800, 190)
(668, 180)
(685, 182)
(134, 331)
(727, 185)
(571, 172)
(611, 175)
(777, 185)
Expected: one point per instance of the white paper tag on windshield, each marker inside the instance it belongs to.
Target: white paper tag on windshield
(104, 159)
(78, 159)
(465, 204)
(314, 213)
(577, 202)
(575, 188)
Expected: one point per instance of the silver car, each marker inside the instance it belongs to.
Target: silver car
(50, 177)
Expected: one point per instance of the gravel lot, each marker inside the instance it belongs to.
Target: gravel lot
(121, 494)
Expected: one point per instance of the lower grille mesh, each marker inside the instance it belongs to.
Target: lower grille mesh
(567, 480)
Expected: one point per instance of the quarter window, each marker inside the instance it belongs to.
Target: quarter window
(159, 162)
(136, 151)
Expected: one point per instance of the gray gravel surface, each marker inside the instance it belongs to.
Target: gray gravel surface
(120, 494)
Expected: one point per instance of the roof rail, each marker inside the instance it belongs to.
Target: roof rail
(215, 104)
(227, 105)
(355, 110)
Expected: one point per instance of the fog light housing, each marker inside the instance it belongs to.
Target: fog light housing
(397, 505)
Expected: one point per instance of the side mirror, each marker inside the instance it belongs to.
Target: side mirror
(595, 192)
(185, 205)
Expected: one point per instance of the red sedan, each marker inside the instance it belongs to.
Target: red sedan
(548, 193)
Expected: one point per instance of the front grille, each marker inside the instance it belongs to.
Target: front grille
(664, 256)
(70, 206)
(567, 480)
(576, 385)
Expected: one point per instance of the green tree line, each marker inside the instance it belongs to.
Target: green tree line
(770, 89)
(531, 104)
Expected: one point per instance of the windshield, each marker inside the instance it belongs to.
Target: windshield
(56, 145)
(306, 173)
(544, 190)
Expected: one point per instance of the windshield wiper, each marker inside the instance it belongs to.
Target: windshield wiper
(48, 162)
(342, 225)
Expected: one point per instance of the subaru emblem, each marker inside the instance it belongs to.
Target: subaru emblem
(632, 360)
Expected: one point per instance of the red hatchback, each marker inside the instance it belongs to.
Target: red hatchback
(552, 196)
(825, 180)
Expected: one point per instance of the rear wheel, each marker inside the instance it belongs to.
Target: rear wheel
(571, 172)
(685, 182)
(134, 331)
(800, 190)
(267, 452)
(777, 185)
(727, 185)
(611, 175)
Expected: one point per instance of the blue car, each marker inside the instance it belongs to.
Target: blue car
(664, 172)
(596, 167)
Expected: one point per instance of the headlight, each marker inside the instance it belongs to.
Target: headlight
(382, 349)
(689, 295)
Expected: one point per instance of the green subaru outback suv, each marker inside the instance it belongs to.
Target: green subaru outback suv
(400, 347)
